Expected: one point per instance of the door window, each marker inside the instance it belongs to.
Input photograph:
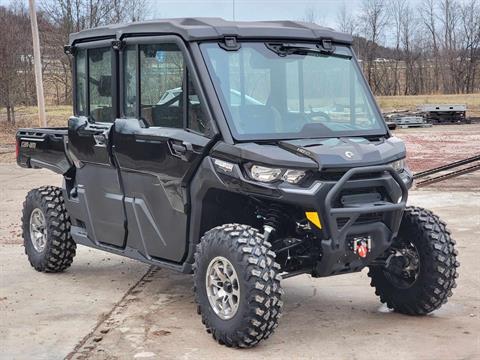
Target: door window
(130, 81)
(196, 119)
(81, 83)
(164, 84)
(100, 84)
(161, 85)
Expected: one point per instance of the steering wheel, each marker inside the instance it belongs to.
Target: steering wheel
(316, 116)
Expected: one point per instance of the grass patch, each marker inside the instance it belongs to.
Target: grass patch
(388, 103)
(27, 116)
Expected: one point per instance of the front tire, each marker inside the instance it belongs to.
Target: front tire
(46, 230)
(234, 266)
(422, 268)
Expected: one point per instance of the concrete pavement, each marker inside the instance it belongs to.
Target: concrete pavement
(107, 307)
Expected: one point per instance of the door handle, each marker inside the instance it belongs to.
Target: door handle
(100, 139)
(178, 149)
(183, 150)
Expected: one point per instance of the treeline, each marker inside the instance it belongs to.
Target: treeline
(56, 20)
(405, 47)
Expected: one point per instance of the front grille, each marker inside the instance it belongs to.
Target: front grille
(336, 175)
(363, 219)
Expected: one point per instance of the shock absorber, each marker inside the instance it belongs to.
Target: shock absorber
(273, 220)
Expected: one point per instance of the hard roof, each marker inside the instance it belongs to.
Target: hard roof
(196, 29)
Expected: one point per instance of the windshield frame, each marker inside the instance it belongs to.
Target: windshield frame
(381, 131)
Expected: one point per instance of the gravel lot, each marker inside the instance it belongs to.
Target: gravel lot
(439, 145)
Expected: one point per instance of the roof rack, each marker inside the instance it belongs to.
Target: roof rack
(198, 29)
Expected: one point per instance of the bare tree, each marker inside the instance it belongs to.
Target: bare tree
(397, 11)
(373, 17)
(16, 75)
(312, 15)
(430, 19)
(406, 47)
(408, 28)
(345, 20)
(435, 46)
(66, 16)
(470, 28)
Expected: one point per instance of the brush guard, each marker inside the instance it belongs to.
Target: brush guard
(338, 256)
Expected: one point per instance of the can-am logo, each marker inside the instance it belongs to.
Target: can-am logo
(349, 154)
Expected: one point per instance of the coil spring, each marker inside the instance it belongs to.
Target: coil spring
(273, 217)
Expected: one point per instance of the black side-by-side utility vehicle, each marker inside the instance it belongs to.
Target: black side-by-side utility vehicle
(241, 152)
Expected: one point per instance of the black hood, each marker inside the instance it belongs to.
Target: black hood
(347, 152)
(315, 153)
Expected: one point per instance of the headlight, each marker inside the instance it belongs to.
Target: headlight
(265, 174)
(268, 175)
(293, 176)
(224, 166)
(398, 165)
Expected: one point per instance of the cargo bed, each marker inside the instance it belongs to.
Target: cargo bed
(43, 148)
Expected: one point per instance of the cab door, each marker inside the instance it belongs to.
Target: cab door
(97, 190)
(157, 144)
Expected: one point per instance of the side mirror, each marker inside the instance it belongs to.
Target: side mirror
(391, 125)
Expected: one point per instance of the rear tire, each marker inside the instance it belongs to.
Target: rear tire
(251, 264)
(428, 237)
(46, 230)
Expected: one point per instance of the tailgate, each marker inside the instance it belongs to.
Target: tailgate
(43, 148)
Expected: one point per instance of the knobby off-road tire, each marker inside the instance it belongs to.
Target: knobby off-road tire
(58, 248)
(259, 303)
(437, 266)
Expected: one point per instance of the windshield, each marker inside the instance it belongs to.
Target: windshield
(291, 91)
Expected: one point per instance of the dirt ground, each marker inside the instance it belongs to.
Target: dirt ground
(108, 307)
(438, 145)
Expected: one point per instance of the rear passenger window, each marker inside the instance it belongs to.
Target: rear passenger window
(161, 85)
(100, 84)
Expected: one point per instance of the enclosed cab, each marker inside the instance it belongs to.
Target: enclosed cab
(243, 152)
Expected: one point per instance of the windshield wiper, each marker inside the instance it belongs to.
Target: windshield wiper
(287, 49)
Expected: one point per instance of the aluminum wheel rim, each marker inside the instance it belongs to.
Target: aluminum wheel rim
(38, 230)
(409, 274)
(223, 288)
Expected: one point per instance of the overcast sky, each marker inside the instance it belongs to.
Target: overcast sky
(252, 9)
(247, 9)
(326, 10)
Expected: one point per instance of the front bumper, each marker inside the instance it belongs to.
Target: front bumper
(379, 219)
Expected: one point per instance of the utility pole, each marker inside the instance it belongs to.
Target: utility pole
(233, 9)
(38, 65)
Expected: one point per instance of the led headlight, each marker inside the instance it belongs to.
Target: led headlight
(224, 166)
(398, 165)
(293, 176)
(265, 174)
